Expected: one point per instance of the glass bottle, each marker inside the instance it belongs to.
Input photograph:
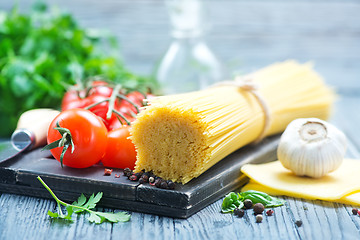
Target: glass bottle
(188, 64)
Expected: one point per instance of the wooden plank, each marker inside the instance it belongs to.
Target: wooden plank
(323, 220)
(182, 202)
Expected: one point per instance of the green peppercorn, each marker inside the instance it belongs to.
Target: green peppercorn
(259, 218)
(248, 203)
(258, 208)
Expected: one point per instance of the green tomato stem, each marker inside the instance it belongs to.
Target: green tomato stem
(112, 101)
(121, 96)
(95, 104)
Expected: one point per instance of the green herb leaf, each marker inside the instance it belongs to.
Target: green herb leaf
(52, 214)
(231, 201)
(115, 217)
(81, 205)
(261, 197)
(95, 218)
(90, 204)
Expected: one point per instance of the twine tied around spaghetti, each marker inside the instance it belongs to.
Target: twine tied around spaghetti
(246, 83)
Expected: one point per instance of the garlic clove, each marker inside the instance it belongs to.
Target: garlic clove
(311, 147)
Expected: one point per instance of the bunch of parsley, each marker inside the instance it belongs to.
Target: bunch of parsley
(43, 52)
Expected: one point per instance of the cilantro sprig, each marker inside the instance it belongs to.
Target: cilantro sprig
(84, 205)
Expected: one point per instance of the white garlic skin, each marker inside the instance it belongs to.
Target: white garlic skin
(311, 147)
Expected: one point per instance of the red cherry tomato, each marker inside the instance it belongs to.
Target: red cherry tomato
(99, 88)
(120, 152)
(89, 136)
(73, 99)
(136, 97)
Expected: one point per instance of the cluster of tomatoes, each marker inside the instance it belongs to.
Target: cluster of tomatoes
(94, 126)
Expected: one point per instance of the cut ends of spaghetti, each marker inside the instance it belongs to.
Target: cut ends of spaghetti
(178, 137)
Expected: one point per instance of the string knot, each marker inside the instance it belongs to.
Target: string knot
(246, 83)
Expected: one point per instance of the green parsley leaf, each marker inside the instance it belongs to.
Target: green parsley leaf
(83, 205)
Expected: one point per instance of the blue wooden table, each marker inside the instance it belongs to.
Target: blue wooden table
(245, 35)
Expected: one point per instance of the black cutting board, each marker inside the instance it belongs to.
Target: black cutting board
(18, 175)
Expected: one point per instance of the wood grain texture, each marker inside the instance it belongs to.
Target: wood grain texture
(245, 35)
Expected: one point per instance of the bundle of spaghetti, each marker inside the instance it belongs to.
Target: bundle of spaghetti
(178, 137)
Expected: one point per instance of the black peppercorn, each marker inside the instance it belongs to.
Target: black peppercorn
(163, 185)
(258, 208)
(259, 218)
(171, 184)
(145, 178)
(158, 182)
(298, 223)
(248, 203)
(133, 177)
(239, 212)
(127, 172)
(138, 174)
(141, 181)
(354, 211)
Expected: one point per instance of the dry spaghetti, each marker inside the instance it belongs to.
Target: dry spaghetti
(179, 137)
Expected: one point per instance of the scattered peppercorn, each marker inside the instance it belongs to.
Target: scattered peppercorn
(259, 218)
(298, 223)
(133, 177)
(141, 181)
(355, 211)
(239, 212)
(163, 185)
(258, 208)
(151, 180)
(269, 212)
(107, 172)
(145, 178)
(158, 182)
(138, 174)
(171, 184)
(127, 172)
(248, 203)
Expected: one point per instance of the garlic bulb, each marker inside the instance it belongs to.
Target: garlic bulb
(311, 147)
